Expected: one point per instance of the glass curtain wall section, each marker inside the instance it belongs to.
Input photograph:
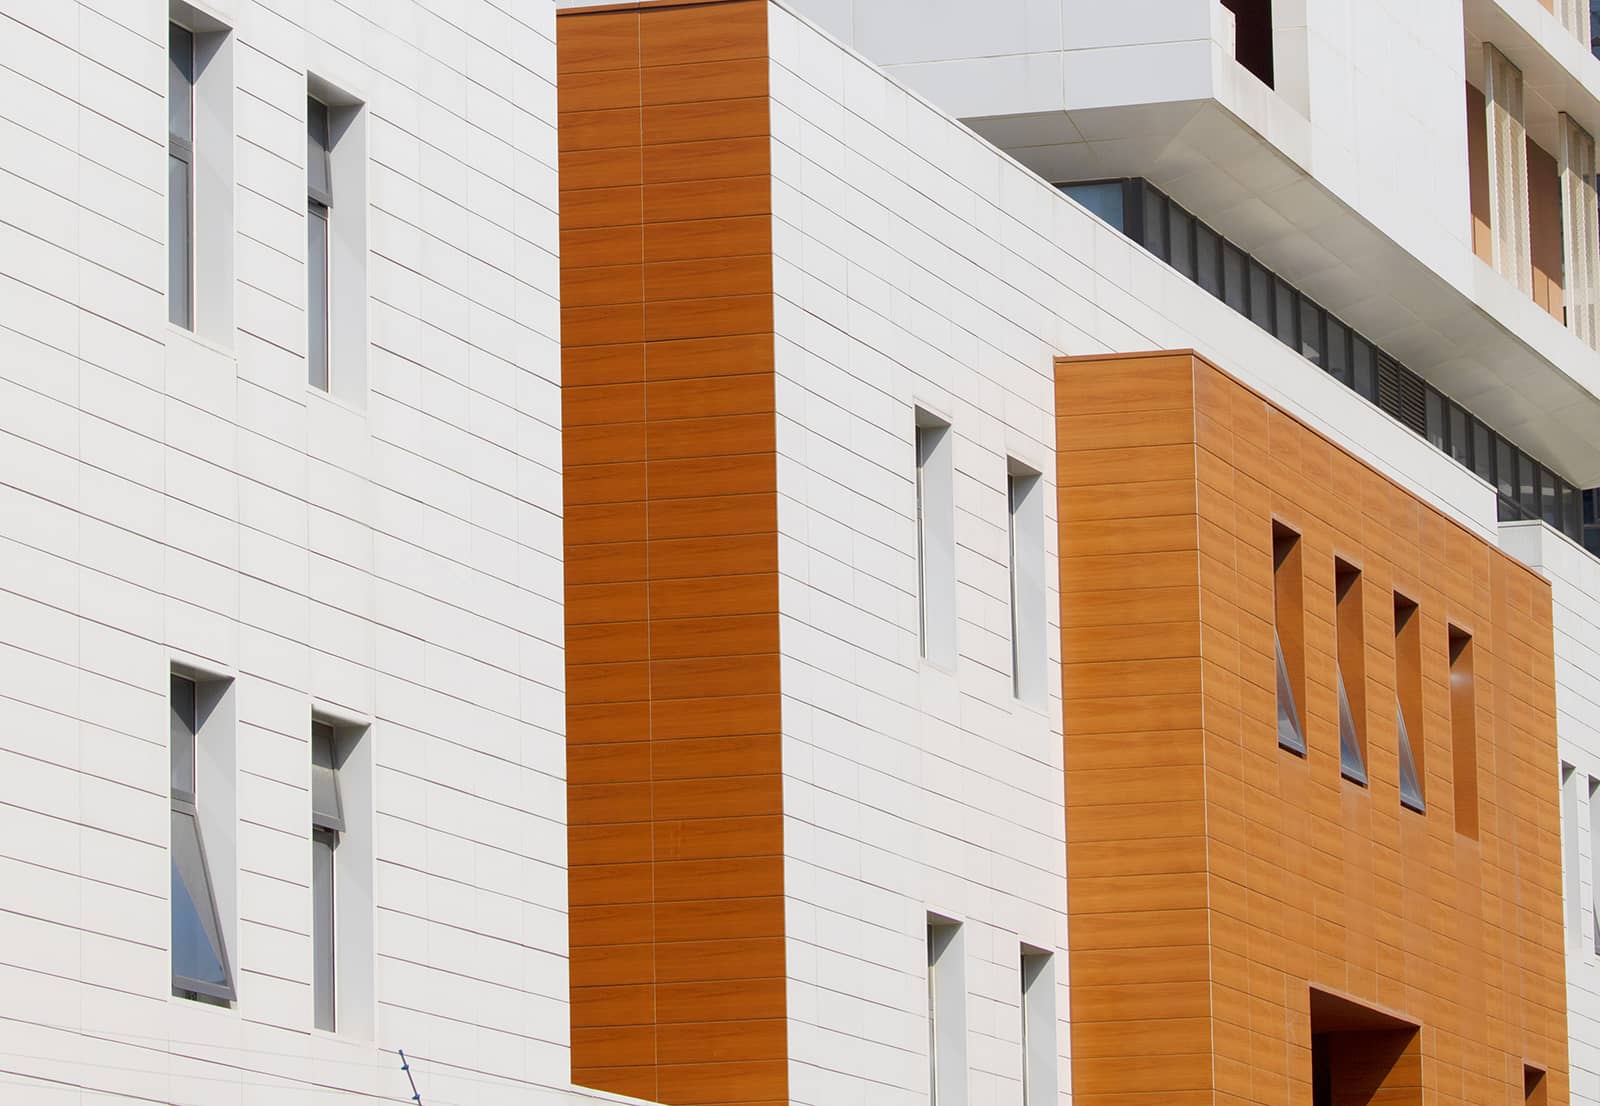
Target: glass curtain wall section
(1527, 489)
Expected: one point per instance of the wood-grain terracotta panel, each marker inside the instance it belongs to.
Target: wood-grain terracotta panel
(722, 198)
(674, 785)
(1305, 879)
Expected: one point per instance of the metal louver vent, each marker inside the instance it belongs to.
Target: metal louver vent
(1413, 401)
(1401, 393)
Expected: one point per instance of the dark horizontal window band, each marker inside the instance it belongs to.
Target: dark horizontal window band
(1525, 489)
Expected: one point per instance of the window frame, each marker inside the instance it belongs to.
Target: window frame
(1463, 731)
(319, 225)
(1288, 620)
(1040, 1067)
(180, 149)
(1408, 699)
(1350, 671)
(192, 873)
(327, 828)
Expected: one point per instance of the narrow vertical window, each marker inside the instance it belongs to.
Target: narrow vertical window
(1571, 871)
(1289, 636)
(1039, 1086)
(1463, 733)
(180, 176)
(1350, 668)
(1025, 497)
(1408, 701)
(1594, 862)
(319, 208)
(199, 953)
(936, 541)
(947, 1015)
(327, 823)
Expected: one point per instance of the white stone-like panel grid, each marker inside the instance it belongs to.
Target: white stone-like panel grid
(167, 498)
(1574, 577)
(917, 266)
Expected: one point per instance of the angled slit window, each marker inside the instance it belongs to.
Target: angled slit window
(1464, 732)
(1408, 701)
(1289, 637)
(1350, 669)
(199, 953)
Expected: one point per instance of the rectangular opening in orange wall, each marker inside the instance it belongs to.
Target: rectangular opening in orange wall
(1463, 733)
(1408, 701)
(1351, 671)
(1288, 602)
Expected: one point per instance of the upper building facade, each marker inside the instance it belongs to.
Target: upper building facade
(674, 574)
(817, 453)
(281, 761)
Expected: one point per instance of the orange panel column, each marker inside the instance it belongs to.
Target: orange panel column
(674, 742)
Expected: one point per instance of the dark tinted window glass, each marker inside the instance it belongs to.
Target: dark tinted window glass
(1103, 199)
(1482, 454)
(1260, 295)
(1310, 331)
(1505, 469)
(1435, 419)
(1527, 485)
(1234, 292)
(1361, 363)
(1287, 314)
(1155, 222)
(1208, 259)
(1460, 442)
(1180, 228)
(1338, 358)
(1549, 498)
(1571, 510)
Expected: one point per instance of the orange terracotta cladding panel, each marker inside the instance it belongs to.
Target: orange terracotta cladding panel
(674, 786)
(1215, 879)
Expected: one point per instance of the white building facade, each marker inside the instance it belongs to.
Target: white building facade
(1326, 144)
(280, 420)
(283, 729)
